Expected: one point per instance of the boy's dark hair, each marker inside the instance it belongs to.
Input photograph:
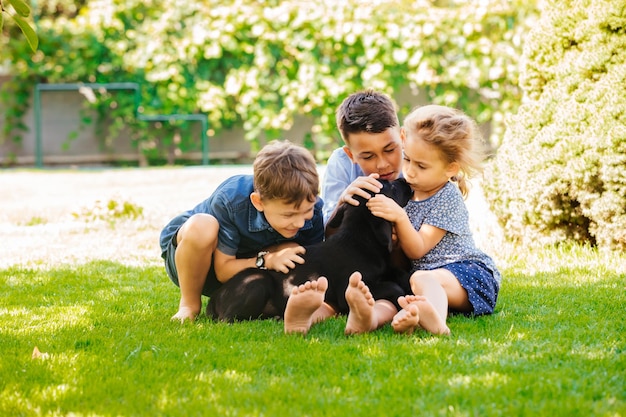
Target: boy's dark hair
(287, 172)
(366, 111)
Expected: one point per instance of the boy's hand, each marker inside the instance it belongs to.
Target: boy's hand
(284, 259)
(382, 206)
(359, 187)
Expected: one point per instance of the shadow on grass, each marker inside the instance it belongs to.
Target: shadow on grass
(110, 349)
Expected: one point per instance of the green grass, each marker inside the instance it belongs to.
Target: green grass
(555, 347)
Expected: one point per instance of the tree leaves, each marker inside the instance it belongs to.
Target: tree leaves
(28, 32)
(22, 10)
(268, 66)
(21, 7)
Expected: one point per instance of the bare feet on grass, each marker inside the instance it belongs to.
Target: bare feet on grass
(406, 320)
(304, 300)
(185, 313)
(361, 318)
(427, 316)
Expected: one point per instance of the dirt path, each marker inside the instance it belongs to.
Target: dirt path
(37, 225)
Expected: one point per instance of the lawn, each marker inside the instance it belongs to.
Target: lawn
(92, 296)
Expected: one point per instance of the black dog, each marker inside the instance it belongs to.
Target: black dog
(362, 242)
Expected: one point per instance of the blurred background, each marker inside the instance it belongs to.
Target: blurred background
(153, 82)
(256, 70)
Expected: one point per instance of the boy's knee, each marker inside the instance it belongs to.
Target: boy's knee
(200, 229)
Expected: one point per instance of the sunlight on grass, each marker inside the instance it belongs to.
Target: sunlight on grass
(491, 379)
(229, 376)
(55, 393)
(17, 402)
(49, 320)
(372, 351)
(550, 259)
(111, 350)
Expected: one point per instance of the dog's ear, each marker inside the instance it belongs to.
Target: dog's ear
(401, 192)
(336, 220)
(337, 217)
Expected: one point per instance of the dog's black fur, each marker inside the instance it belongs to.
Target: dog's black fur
(362, 242)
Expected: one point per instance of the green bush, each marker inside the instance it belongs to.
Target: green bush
(110, 211)
(260, 65)
(560, 172)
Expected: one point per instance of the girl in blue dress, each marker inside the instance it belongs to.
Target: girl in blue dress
(441, 150)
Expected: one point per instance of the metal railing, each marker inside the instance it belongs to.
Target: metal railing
(40, 87)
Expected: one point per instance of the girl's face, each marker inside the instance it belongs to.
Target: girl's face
(424, 168)
(379, 153)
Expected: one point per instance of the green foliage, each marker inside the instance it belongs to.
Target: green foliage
(554, 347)
(36, 221)
(261, 64)
(21, 10)
(110, 211)
(560, 172)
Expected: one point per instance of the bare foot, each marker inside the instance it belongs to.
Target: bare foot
(361, 318)
(304, 300)
(185, 313)
(407, 319)
(429, 319)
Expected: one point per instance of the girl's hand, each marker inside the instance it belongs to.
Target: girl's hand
(284, 259)
(382, 206)
(359, 187)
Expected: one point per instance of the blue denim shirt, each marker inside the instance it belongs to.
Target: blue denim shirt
(340, 172)
(244, 231)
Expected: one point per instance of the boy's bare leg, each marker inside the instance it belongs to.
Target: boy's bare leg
(407, 319)
(197, 239)
(365, 314)
(306, 306)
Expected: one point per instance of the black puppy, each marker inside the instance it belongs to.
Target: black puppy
(362, 242)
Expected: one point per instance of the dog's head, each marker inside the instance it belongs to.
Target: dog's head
(355, 217)
(398, 190)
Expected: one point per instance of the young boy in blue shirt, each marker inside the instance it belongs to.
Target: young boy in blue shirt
(260, 220)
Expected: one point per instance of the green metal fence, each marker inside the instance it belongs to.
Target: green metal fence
(134, 87)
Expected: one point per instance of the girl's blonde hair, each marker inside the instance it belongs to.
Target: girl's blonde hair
(456, 136)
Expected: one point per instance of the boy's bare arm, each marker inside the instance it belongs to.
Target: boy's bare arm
(281, 258)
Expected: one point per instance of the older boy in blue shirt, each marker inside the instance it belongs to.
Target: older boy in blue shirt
(260, 220)
(369, 127)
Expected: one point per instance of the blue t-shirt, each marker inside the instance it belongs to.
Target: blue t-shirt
(340, 172)
(446, 210)
(243, 231)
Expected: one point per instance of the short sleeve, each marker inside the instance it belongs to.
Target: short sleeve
(339, 174)
(228, 236)
(449, 213)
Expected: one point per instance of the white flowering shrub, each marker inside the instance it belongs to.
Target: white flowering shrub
(560, 173)
(261, 64)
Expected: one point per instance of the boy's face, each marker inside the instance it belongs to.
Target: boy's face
(379, 153)
(284, 217)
